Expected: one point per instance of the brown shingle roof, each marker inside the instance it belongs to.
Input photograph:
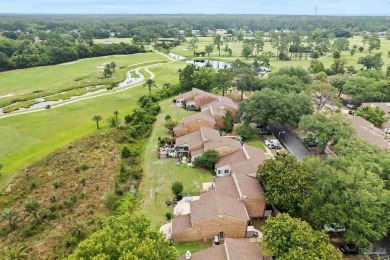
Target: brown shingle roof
(189, 139)
(367, 131)
(240, 249)
(231, 159)
(249, 186)
(256, 155)
(221, 141)
(221, 102)
(204, 115)
(195, 93)
(223, 201)
(181, 223)
(232, 249)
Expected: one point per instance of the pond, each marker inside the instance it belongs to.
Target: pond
(202, 63)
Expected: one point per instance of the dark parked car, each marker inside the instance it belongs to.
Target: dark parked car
(349, 249)
(47, 106)
(265, 132)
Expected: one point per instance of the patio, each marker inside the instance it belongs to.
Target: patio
(183, 206)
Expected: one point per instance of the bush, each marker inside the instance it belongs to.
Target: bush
(245, 131)
(170, 124)
(111, 201)
(168, 215)
(207, 160)
(125, 153)
(168, 203)
(177, 188)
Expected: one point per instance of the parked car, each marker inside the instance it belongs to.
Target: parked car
(265, 132)
(349, 249)
(272, 141)
(273, 146)
(351, 106)
(47, 106)
(334, 228)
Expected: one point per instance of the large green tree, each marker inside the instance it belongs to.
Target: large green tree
(286, 183)
(273, 107)
(125, 237)
(218, 42)
(150, 83)
(372, 61)
(328, 128)
(347, 193)
(341, 44)
(222, 80)
(228, 121)
(374, 115)
(209, 49)
(294, 239)
(338, 81)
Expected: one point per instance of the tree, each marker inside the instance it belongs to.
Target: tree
(327, 128)
(264, 59)
(245, 131)
(209, 49)
(116, 113)
(97, 118)
(341, 44)
(107, 71)
(286, 183)
(338, 66)
(218, 42)
(207, 159)
(370, 61)
(336, 55)
(374, 115)
(291, 238)
(273, 107)
(186, 77)
(315, 55)
(177, 188)
(125, 237)
(316, 66)
(361, 49)
(353, 51)
(228, 121)
(150, 83)
(10, 215)
(244, 80)
(203, 78)
(338, 81)
(240, 35)
(246, 51)
(112, 66)
(388, 72)
(374, 43)
(353, 197)
(324, 93)
(222, 80)
(258, 42)
(112, 121)
(32, 207)
(300, 73)
(193, 43)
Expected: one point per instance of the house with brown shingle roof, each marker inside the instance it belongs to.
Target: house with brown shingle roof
(194, 122)
(219, 107)
(195, 98)
(220, 210)
(206, 139)
(231, 249)
(369, 132)
(385, 106)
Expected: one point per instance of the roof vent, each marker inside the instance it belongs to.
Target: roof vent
(188, 255)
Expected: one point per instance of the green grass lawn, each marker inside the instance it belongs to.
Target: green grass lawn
(26, 138)
(193, 247)
(161, 173)
(116, 40)
(53, 79)
(275, 64)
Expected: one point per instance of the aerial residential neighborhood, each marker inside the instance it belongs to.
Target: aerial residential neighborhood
(191, 130)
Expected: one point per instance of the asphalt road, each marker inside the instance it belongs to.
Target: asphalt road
(290, 141)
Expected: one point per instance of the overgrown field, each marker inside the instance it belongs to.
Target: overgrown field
(68, 189)
(275, 64)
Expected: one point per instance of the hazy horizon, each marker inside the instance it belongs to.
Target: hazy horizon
(261, 7)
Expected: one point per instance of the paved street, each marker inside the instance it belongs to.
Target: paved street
(292, 143)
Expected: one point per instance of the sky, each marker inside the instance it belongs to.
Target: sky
(288, 7)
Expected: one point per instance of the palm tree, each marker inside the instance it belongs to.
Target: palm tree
(17, 253)
(10, 214)
(116, 113)
(150, 83)
(97, 118)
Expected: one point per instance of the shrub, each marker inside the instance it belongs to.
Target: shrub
(207, 160)
(177, 188)
(170, 124)
(168, 203)
(52, 198)
(168, 215)
(84, 167)
(136, 172)
(125, 153)
(111, 201)
(245, 131)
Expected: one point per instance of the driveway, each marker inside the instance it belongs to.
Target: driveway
(290, 141)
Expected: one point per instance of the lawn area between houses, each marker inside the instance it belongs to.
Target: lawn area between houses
(183, 247)
(159, 174)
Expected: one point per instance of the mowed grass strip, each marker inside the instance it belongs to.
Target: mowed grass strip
(159, 174)
(54, 79)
